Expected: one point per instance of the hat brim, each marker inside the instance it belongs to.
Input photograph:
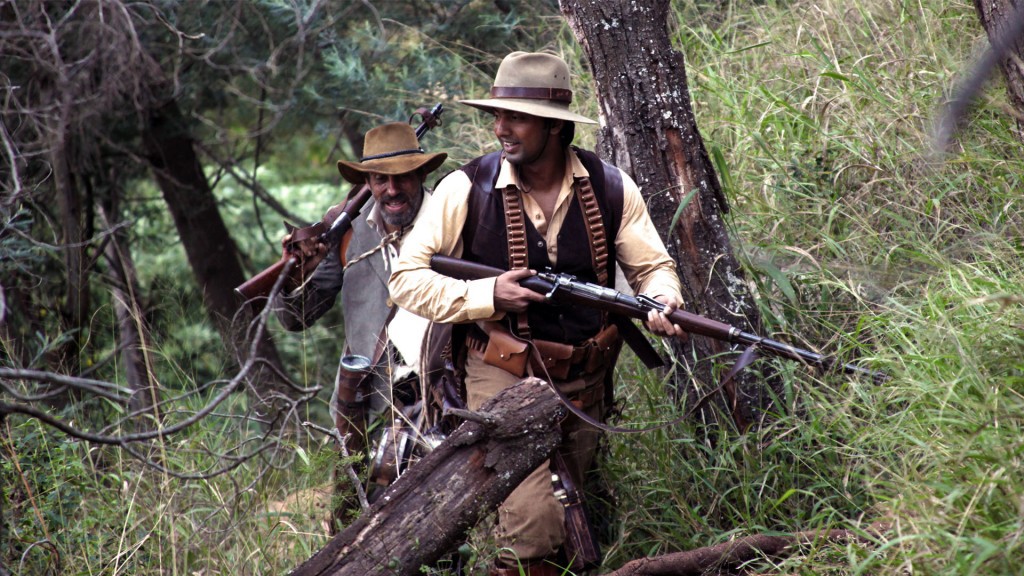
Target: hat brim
(355, 172)
(541, 108)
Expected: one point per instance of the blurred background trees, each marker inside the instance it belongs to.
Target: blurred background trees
(209, 104)
(150, 151)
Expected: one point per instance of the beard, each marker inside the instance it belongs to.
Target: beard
(400, 219)
(405, 216)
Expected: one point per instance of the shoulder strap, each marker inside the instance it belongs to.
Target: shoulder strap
(515, 226)
(483, 172)
(605, 180)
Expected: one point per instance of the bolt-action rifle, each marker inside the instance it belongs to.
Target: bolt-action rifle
(260, 285)
(565, 289)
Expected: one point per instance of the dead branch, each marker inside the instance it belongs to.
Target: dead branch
(14, 380)
(730, 556)
(341, 441)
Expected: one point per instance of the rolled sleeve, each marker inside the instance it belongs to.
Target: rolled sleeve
(640, 252)
(416, 287)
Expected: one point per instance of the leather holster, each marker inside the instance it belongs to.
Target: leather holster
(557, 358)
(508, 352)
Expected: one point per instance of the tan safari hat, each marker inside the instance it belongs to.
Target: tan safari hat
(390, 149)
(534, 83)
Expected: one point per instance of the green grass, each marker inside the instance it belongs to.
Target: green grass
(857, 238)
(861, 240)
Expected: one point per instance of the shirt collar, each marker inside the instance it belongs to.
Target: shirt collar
(508, 175)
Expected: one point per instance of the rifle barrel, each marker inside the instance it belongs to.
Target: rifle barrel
(618, 303)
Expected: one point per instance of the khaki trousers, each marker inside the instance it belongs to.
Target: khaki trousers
(531, 522)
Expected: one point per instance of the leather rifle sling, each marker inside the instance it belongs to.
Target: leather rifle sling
(544, 376)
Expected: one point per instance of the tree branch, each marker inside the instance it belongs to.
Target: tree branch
(732, 555)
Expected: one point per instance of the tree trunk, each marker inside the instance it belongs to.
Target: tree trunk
(429, 510)
(132, 331)
(76, 299)
(212, 254)
(649, 130)
(1001, 20)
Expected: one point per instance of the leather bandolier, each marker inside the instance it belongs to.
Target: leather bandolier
(487, 239)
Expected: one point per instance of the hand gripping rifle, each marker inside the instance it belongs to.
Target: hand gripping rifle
(260, 285)
(565, 289)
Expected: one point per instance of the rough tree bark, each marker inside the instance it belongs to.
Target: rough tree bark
(998, 17)
(212, 254)
(69, 204)
(429, 510)
(648, 129)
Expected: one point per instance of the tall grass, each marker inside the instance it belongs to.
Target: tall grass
(861, 239)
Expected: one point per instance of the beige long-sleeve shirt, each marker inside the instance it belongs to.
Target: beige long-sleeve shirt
(640, 253)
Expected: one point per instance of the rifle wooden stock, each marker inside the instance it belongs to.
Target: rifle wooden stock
(560, 291)
(259, 286)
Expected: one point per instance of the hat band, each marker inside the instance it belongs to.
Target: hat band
(553, 94)
(392, 154)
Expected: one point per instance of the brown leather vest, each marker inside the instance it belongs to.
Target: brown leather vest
(485, 240)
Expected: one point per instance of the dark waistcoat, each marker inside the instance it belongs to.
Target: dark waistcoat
(485, 240)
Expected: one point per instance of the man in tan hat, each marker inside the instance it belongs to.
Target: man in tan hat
(582, 217)
(395, 168)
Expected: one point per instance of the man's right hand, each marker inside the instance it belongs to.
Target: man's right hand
(509, 296)
(309, 252)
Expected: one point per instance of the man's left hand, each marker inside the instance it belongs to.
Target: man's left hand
(658, 322)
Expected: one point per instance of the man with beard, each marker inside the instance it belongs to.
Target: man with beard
(384, 339)
(537, 203)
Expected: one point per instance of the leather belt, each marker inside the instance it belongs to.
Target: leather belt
(581, 399)
(584, 359)
(579, 353)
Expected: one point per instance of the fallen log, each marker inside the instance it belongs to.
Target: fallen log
(430, 509)
(728, 557)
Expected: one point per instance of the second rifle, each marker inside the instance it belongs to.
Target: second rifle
(259, 286)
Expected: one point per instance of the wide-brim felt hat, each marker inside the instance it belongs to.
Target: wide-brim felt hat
(534, 83)
(390, 149)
